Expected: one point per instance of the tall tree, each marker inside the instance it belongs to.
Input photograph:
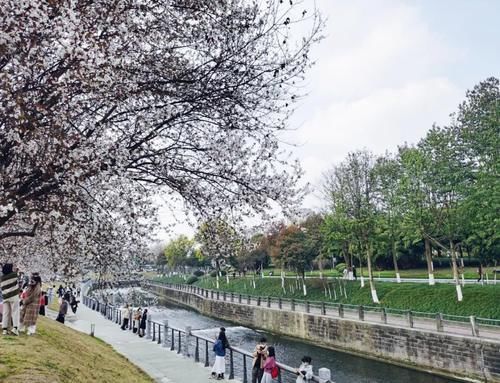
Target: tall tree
(352, 193)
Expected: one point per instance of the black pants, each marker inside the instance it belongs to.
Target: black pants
(257, 374)
(125, 323)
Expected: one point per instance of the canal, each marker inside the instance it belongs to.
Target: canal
(346, 368)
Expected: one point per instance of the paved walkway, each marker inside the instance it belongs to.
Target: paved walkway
(160, 363)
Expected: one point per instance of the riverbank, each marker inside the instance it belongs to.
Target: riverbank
(57, 353)
(461, 357)
(480, 301)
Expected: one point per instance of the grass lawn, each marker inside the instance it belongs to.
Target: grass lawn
(482, 301)
(445, 273)
(59, 354)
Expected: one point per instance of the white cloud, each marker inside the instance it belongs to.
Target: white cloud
(378, 82)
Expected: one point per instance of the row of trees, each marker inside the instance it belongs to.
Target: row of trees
(107, 104)
(441, 195)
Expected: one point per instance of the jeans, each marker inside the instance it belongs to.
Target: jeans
(257, 374)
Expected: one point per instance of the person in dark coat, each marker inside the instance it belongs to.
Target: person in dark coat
(142, 325)
(73, 302)
(44, 301)
(63, 308)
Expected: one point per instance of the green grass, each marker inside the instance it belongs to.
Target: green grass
(58, 354)
(445, 273)
(482, 301)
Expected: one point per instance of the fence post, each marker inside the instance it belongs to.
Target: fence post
(258, 301)
(474, 325)
(292, 304)
(361, 312)
(410, 318)
(232, 297)
(248, 299)
(245, 379)
(165, 332)
(231, 364)
(268, 301)
(197, 350)
(224, 295)
(323, 308)
(188, 339)
(218, 295)
(439, 322)
(179, 345)
(172, 341)
(308, 307)
(280, 303)
(206, 354)
(148, 327)
(383, 315)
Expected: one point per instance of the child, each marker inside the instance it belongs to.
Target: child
(305, 371)
(269, 366)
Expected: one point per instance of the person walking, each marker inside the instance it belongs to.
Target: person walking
(259, 358)
(305, 371)
(73, 302)
(63, 308)
(142, 326)
(50, 293)
(31, 305)
(125, 311)
(270, 367)
(219, 368)
(10, 293)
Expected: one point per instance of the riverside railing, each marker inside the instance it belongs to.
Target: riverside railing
(453, 324)
(197, 346)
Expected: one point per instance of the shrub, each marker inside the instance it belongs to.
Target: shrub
(192, 279)
(199, 273)
(340, 267)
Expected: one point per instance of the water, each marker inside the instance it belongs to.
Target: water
(345, 368)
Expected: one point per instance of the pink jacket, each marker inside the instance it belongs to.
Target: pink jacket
(270, 363)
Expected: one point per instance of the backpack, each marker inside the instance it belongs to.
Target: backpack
(275, 372)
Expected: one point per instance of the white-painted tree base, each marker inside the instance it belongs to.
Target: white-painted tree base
(432, 281)
(375, 296)
(305, 289)
(460, 297)
(362, 281)
(398, 277)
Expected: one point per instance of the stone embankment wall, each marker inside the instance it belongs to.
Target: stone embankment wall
(468, 358)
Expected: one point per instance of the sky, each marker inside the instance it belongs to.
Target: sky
(384, 73)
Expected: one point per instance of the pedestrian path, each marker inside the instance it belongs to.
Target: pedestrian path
(161, 364)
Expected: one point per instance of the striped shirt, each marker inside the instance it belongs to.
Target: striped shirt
(9, 286)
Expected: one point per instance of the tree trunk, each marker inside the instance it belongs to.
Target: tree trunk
(395, 260)
(347, 258)
(428, 257)
(370, 274)
(455, 272)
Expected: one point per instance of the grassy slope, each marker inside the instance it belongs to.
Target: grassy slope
(482, 301)
(59, 354)
(469, 273)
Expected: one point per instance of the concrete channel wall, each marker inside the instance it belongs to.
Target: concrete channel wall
(463, 357)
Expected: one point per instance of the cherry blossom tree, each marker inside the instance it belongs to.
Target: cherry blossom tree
(180, 97)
